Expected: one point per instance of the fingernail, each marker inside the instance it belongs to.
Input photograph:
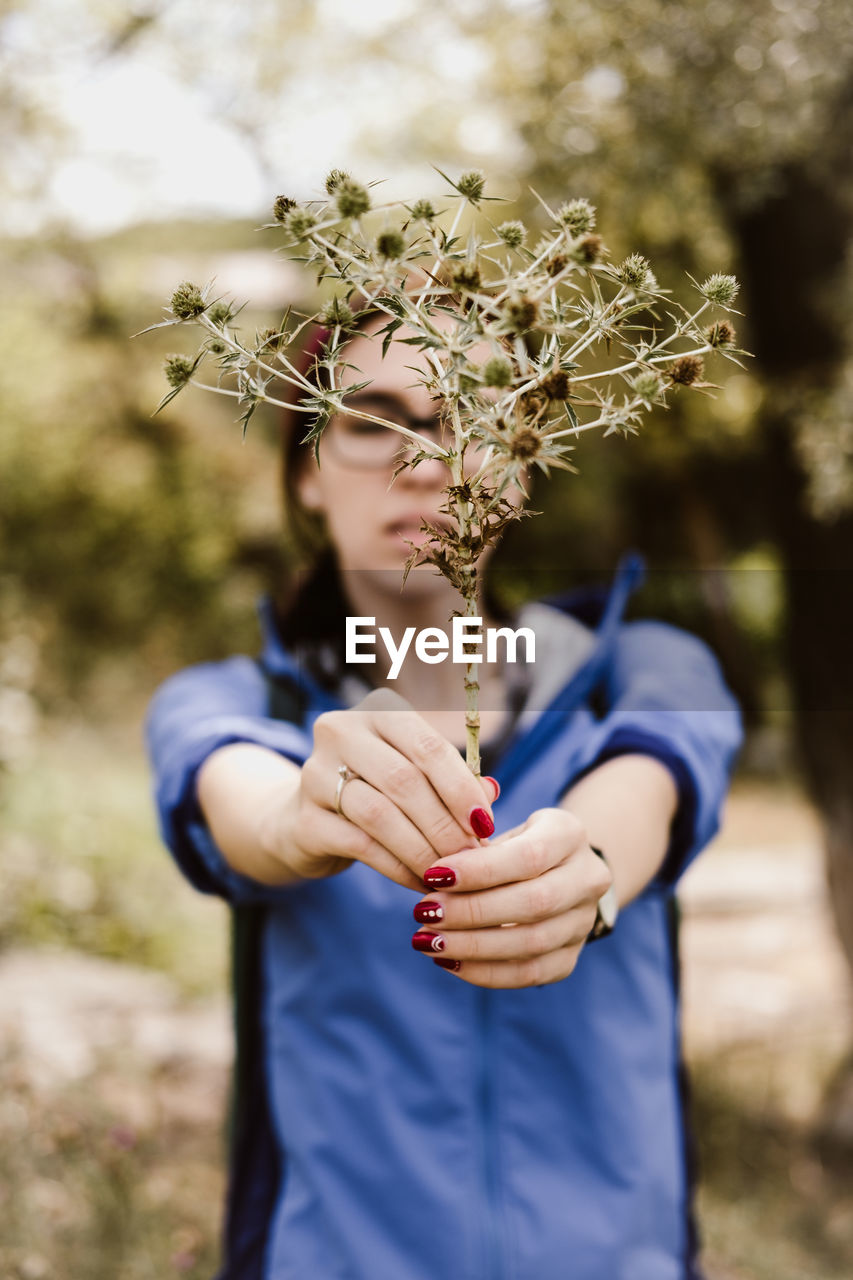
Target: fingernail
(439, 877)
(497, 786)
(428, 912)
(447, 964)
(425, 941)
(481, 823)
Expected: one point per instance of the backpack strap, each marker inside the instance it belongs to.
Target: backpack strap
(253, 1159)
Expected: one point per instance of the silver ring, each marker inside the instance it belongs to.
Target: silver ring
(345, 775)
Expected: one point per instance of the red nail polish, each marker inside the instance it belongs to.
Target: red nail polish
(453, 965)
(428, 912)
(481, 823)
(497, 786)
(423, 940)
(439, 878)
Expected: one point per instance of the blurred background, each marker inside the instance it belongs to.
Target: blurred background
(143, 145)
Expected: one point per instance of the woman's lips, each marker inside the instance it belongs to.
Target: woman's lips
(410, 530)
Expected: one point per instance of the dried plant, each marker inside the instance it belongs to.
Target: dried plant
(522, 348)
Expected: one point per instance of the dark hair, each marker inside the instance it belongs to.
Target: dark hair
(306, 528)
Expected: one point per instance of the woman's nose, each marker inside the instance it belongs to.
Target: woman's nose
(429, 473)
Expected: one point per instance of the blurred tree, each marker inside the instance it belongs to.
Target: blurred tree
(697, 127)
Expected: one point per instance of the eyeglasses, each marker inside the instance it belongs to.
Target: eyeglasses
(356, 442)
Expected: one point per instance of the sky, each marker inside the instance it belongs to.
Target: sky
(142, 138)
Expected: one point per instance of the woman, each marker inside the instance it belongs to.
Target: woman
(512, 1111)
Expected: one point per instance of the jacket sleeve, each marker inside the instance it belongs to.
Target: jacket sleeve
(666, 698)
(192, 714)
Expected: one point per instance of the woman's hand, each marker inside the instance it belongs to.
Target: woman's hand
(543, 876)
(413, 802)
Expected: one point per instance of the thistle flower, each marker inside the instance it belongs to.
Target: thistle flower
(220, 313)
(588, 249)
(337, 312)
(720, 289)
(497, 372)
(577, 216)
(335, 179)
(282, 207)
(178, 370)
(351, 198)
(556, 385)
(512, 234)
(466, 275)
(636, 273)
(390, 244)
(521, 313)
(485, 301)
(686, 370)
(525, 443)
(300, 223)
(271, 340)
(471, 185)
(647, 385)
(187, 301)
(423, 210)
(720, 334)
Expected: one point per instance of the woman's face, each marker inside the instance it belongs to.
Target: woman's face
(370, 520)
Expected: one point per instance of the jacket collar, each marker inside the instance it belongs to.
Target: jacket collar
(281, 664)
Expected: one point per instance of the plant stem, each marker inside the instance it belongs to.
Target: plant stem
(469, 595)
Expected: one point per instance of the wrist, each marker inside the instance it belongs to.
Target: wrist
(607, 907)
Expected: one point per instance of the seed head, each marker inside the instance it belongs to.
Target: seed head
(636, 273)
(525, 443)
(556, 264)
(216, 346)
(720, 289)
(647, 385)
(512, 234)
(270, 340)
(178, 371)
(556, 385)
(497, 372)
(471, 185)
(466, 275)
(282, 207)
(521, 313)
(577, 216)
(336, 312)
(686, 370)
(300, 223)
(187, 301)
(334, 180)
(424, 210)
(220, 313)
(352, 199)
(588, 249)
(721, 334)
(390, 244)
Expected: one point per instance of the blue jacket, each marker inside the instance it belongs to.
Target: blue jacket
(407, 1124)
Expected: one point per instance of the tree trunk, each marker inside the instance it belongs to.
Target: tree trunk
(793, 249)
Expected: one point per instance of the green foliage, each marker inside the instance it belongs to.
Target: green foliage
(125, 540)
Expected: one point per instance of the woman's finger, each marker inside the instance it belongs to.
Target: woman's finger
(548, 837)
(523, 902)
(463, 795)
(336, 837)
(513, 942)
(535, 972)
(408, 790)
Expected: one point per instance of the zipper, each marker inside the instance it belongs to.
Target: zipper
(494, 1256)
